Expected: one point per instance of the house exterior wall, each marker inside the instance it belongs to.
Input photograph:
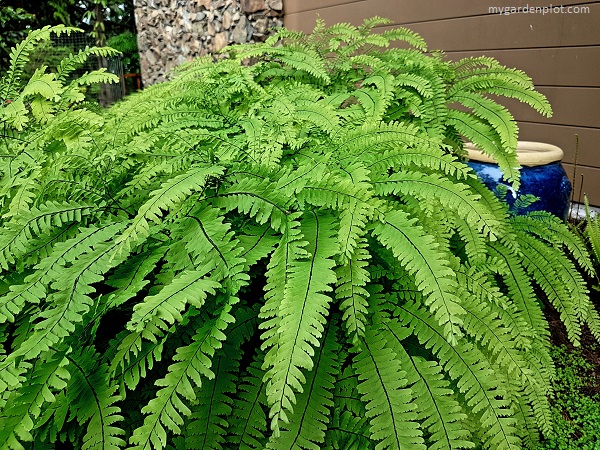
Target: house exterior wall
(171, 32)
(559, 50)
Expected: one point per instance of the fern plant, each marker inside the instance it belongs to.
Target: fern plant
(284, 250)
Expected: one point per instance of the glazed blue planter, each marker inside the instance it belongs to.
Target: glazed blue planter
(542, 175)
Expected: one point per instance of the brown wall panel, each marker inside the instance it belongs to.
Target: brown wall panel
(571, 106)
(354, 13)
(515, 31)
(475, 33)
(410, 11)
(296, 6)
(591, 183)
(566, 66)
(564, 137)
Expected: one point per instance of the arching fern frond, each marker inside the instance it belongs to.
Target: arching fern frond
(352, 279)
(307, 425)
(193, 362)
(19, 56)
(91, 381)
(452, 195)
(549, 227)
(432, 274)
(24, 405)
(164, 199)
(485, 393)
(249, 421)
(389, 401)
(36, 222)
(440, 412)
(70, 301)
(303, 311)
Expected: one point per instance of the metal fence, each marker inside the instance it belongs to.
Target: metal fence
(62, 45)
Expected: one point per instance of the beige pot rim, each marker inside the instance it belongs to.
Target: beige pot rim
(528, 153)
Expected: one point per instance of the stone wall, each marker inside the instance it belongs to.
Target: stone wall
(173, 31)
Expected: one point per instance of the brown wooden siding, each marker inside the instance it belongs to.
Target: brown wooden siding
(561, 52)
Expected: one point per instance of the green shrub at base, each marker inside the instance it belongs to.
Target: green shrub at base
(575, 412)
(281, 250)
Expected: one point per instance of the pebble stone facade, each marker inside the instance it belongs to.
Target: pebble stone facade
(171, 32)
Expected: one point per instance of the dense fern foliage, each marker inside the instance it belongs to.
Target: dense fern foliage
(279, 250)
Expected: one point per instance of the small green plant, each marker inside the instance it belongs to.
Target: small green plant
(592, 233)
(282, 254)
(15, 22)
(32, 100)
(575, 411)
(126, 43)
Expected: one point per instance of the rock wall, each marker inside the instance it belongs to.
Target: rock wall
(173, 31)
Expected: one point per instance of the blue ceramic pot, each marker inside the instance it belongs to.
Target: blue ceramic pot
(547, 181)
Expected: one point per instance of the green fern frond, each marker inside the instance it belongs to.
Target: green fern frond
(508, 83)
(290, 249)
(480, 290)
(557, 281)
(298, 57)
(208, 423)
(35, 286)
(36, 222)
(485, 137)
(19, 56)
(70, 301)
(74, 61)
(537, 101)
(306, 429)
(452, 195)
(164, 308)
(302, 313)
(43, 84)
(349, 432)
(257, 242)
(263, 145)
(259, 199)
(351, 195)
(352, 279)
(592, 232)
(373, 102)
(406, 35)
(355, 143)
(549, 227)
(485, 392)
(431, 272)
(25, 405)
(410, 158)
(167, 197)
(346, 396)
(193, 362)
(495, 114)
(72, 92)
(91, 382)
(485, 326)
(249, 421)
(440, 414)
(519, 288)
(389, 401)
(130, 278)
(134, 354)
